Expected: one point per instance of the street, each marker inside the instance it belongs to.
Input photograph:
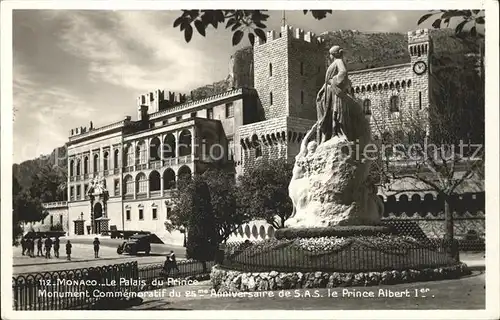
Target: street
(83, 256)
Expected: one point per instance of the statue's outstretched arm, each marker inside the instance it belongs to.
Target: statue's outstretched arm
(305, 141)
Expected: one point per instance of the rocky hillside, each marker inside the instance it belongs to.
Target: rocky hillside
(241, 65)
(24, 171)
(368, 50)
(363, 50)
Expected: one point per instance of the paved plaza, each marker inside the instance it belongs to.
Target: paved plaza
(464, 293)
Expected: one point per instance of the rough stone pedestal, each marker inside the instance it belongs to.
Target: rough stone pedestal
(330, 187)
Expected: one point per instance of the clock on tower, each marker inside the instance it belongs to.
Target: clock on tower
(419, 67)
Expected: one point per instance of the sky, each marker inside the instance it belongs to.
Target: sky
(73, 67)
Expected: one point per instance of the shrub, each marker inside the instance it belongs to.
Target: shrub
(56, 227)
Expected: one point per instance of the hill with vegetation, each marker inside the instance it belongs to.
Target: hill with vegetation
(27, 171)
(363, 51)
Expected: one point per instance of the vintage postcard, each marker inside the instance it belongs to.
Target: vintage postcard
(213, 160)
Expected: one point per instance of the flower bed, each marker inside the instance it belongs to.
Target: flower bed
(381, 241)
(335, 254)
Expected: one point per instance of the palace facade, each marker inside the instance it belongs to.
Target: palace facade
(138, 161)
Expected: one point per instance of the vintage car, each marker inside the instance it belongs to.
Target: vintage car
(136, 243)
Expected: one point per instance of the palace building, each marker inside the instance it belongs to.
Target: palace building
(138, 161)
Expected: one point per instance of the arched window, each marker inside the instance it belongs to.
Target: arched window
(142, 183)
(85, 165)
(140, 155)
(106, 160)
(71, 168)
(154, 181)
(129, 159)
(184, 173)
(394, 104)
(169, 179)
(78, 167)
(185, 143)
(262, 232)
(258, 151)
(169, 146)
(116, 157)
(96, 163)
(367, 107)
(270, 69)
(128, 185)
(154, 149)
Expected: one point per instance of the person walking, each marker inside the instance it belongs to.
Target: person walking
(56, 247)
(31, 247)
(28, 247)
(68, 250)
(96, 247)
(173, 261)
(48, 247)
(23, 245)
(39, 247)
(167, 266)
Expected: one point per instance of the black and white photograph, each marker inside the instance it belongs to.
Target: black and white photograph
(308, 159)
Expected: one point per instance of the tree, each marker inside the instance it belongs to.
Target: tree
(49, 184)
(251, 21)
(17, 230)
(25, 208)
(223, 195)
(470, 29)
(202, 233)
(263, 192)
(223, 199)
(470, 18)
(441, 147)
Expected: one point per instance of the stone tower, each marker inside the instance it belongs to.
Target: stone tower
(420, 49)
(289, 69)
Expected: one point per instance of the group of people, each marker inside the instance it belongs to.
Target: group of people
(28, 247)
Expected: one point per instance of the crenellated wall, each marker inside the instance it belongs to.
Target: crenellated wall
(288, 71)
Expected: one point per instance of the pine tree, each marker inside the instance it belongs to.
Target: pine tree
(202, 230)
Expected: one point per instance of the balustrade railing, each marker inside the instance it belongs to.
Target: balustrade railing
(169, 192)
(184, 159)
(141, 196)
(116, 170)
(155, 194)
(128, 169)
(128, 196)
(169, 161)
(155, 164)
(55, 204)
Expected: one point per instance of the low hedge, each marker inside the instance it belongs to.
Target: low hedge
(337, 231)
